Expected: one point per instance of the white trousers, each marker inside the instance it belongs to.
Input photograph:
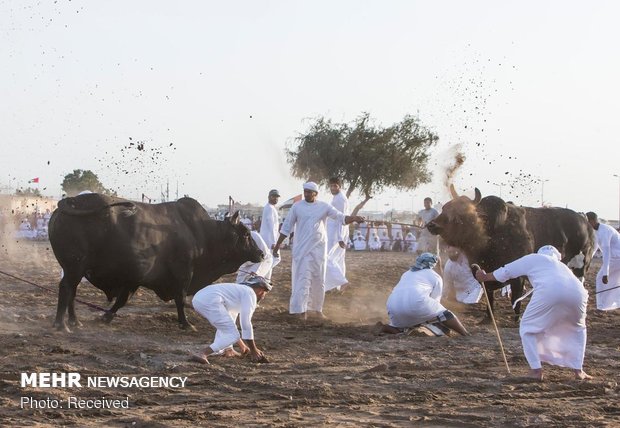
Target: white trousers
(215, 312)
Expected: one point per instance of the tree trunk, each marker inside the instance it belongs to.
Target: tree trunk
(359, 206)
(352, 186)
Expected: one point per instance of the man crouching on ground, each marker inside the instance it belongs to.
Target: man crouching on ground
(220, 304)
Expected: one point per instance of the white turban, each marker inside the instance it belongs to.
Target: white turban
(311, 185)
(550, 250)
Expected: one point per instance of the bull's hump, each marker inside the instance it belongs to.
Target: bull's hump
(90, 204)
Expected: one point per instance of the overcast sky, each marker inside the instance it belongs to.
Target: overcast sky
(528, 90)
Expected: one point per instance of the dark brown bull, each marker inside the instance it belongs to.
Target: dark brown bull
(172, 248)
(493, 233)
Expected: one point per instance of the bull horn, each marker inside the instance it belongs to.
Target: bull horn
(478, 196)
(453, 191)
(235, 218)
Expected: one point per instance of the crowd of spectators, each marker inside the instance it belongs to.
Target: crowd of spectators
(25, 225)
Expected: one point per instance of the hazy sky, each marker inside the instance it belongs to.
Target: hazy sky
(528, 90)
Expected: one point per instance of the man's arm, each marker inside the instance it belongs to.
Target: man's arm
(348, 219)
(256, 354)
(276, 247)
(247, 332)
(482, 276)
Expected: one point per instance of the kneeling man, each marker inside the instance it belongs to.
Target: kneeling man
(415, 299)
(220, 304)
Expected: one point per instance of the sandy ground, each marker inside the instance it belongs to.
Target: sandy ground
(340, 373)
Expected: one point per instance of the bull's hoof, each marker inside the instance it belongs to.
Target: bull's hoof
(108, 317)
(61, 326)
(75, 323)
(187, 326)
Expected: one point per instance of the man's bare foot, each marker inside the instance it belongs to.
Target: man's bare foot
(317, 315)
(299, 317)
(198, 358)
(581, 375)
(230, 353)
(535, 374)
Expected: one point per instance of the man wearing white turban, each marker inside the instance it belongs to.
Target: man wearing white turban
(608, 277)
(416, 299)
(427, 242)
(307, 217)
(270, 222)
(553, 328)
(337, 239)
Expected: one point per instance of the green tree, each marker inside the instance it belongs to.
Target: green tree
(80, 180)
(29, 191)
(367, 157)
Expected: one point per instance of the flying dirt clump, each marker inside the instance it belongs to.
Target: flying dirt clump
(457, 162)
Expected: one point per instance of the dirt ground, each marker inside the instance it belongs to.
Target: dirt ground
(340, 373)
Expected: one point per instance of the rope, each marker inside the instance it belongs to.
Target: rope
(268, 281)
(609, 289)
(90, 305)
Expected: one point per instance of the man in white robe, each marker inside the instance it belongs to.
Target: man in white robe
(247, 222)
(553, 327)
(307, 217)
(24, 230)
(427, 242)
(382, 227)
(411, 243)
(608, 277)
(372, 231)
(374, 243)
(269, 226)
(249, 269)
(396, 229)
(458, 279)
(221, 304)
(386, 241)
(416, 299)
(363, 228)
(337, 238)
(359, 243)
(398, 245)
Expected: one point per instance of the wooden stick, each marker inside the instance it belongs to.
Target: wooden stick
(499, 339)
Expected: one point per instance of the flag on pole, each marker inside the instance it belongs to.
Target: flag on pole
(34, 180)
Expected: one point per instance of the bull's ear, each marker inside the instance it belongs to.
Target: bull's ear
(453, 191)
(478, 196)
(235, 218)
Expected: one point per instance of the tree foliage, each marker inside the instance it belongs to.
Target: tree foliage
(80, 180)
(367, 157)
(29, 191)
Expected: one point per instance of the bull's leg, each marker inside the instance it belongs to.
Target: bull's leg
(516, 291)
(179, 300)
(66, 295)
(120, 301)
(73, 321)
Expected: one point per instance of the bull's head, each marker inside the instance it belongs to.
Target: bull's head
(243, 246)
(459, 223)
